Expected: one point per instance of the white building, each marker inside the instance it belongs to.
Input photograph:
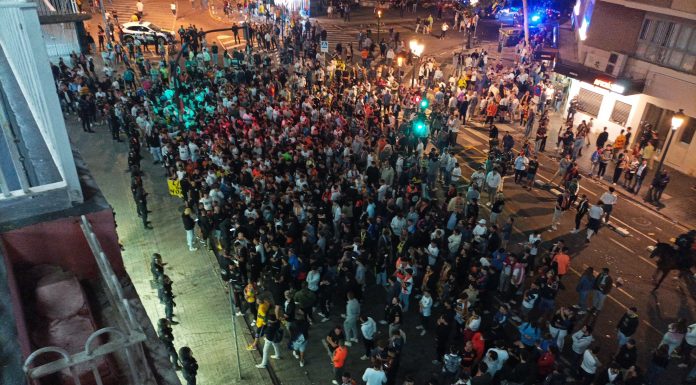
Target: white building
(634, 62)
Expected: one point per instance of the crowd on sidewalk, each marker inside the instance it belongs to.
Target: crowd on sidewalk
(315, 186)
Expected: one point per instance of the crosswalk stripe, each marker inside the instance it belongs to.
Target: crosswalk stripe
(227, 42)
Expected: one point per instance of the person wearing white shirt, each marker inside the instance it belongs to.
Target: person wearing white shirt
(493, 180)
(688, 346)
(480, 230)
(454, 241)
(433, 253)
(456, 175)
(397, 224)
(581, 341)
(590, 363)
(608, 200)
(425, 306)
(594, 217)
(533, 244)
(375, 375)
(368, 328)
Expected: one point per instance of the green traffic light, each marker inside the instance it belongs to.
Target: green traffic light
(424, 103)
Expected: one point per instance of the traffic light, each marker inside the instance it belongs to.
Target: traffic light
(424, 103)
(420, 127)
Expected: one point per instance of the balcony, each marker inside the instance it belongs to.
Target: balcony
(59, 11)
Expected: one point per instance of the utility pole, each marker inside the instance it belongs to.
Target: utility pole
(107, 29)
(525, 14)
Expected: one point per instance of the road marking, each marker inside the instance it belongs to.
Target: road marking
(649, 262)
(611, 297)
(227, 42)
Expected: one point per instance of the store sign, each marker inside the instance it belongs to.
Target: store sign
(607, 85)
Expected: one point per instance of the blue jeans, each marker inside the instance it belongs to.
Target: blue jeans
(404, 301)
(598, 299)
(622, 338)
(189, 238)
(381, 278)
(546, 305)
(582, 300)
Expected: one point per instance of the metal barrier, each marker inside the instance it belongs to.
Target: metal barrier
(126, 338)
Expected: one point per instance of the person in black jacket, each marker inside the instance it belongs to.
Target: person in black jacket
(602, 138)
(627, 355)
(583, 206)
(627, 326)
(84, 107)
(189, 365)
(164, 332)
(189, 225)
(273, 334)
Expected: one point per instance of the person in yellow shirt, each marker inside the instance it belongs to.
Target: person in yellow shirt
(619, 144)
(647, 153)
(262, 312)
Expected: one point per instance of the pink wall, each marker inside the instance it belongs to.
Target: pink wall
(62, 243)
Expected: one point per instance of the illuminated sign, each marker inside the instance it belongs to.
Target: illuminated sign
(607, 85)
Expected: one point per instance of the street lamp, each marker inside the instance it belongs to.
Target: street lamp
(677, 120)
(416, 49)
(379, 19)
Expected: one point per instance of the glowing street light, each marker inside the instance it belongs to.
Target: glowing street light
(417, 50)
(677, 120)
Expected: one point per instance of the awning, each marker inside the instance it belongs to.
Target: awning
(599, 79)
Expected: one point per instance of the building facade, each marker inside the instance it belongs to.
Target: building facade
(62, 27)
(634, 64)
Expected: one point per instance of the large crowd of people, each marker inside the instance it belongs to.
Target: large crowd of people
(310, 179)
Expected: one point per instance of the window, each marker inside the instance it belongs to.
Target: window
(688, 131)
(668, 43)
(620, 113)
(589, 102)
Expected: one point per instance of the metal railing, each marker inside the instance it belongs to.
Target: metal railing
(56, 7)
(126, 338)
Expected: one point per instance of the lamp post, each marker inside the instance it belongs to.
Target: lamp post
(677, 120)
(399, 64)
(379, 20)
(416, 49)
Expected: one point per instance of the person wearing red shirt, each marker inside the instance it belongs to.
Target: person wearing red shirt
(339, 360)
(562, 261)
(479, 345)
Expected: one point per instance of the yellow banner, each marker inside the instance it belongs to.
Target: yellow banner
(175, 188)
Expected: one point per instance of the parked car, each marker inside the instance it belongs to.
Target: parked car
(146, 32)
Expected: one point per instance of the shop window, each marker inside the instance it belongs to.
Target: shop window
(589, 102)
(620, 113)
(688, 131)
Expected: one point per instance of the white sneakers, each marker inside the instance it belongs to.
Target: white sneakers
(364, 357)
(261, 366)
(275, 357)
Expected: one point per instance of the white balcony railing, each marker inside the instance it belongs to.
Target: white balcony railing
(56, 7)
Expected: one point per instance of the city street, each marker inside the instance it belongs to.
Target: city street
(203, 308)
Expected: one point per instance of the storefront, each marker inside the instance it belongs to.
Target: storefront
(611, 102)
(620, 103)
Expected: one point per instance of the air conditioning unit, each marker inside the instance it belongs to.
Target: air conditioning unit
(596, 61)
(615, 64)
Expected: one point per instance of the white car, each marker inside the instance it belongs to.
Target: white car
(147, 32)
